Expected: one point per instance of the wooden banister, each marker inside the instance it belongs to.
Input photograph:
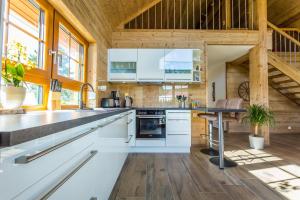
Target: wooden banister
(277, 29)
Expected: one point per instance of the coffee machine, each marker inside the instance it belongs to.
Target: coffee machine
(116, 96)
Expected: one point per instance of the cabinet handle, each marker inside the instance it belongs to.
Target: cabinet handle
(68, 176)
(29, 158)
(130, 121)
(129, 139)
(93, 198)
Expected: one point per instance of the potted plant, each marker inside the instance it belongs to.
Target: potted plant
(258, 116)
(13, 92)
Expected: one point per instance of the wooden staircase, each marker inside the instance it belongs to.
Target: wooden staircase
(284, 63)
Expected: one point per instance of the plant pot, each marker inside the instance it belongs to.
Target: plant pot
(256, 142)
(12, 97)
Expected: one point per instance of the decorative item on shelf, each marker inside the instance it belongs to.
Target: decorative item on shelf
(181, 100)
(258, 116)
(13, 93)
(244, 91)
(54, 95)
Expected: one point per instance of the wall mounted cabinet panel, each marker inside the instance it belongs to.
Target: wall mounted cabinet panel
(122, 65)
(150, 65)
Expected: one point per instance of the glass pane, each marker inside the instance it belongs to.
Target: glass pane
(25, 15)
(82, 72)
(63, 65)
(81, 54)
(63, 41)
(74, 70)
(75, 49)
(29, 44)
(69, 97)
(34, 95)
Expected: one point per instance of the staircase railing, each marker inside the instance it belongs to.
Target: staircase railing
(285, 46)
(294, 32)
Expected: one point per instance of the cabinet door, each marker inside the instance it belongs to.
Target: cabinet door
(150, 65)
(122, 65)
(178, 65)
(131, 128)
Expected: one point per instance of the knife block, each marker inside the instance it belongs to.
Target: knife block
(54, 101)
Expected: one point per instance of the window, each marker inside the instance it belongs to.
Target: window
(25, 26)
(36, 27)
(69, 97)
(70, 68)
(71, 55)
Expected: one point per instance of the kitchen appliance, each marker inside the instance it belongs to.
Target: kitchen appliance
(116, 96)
(128, 102)
(107, 102)
(150, 124)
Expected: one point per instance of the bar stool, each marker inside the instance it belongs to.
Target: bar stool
(211, 117)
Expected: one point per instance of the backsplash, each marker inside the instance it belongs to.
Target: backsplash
(159, 95)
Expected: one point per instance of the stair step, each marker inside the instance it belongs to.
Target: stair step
(284, 81)
(288, 87)
(273, 70)
(277, 76)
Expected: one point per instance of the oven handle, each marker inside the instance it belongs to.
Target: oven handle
(150, 116)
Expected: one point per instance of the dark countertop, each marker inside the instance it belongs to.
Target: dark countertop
(16, 129)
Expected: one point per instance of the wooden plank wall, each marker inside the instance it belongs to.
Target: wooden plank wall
(286, 112)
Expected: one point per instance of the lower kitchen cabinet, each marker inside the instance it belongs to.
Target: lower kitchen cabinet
(86, 168)
(178, 128)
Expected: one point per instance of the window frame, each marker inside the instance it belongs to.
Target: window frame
(68, 83)
(36, 75)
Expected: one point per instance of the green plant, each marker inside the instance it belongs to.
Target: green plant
(258, 116)
(14, 70)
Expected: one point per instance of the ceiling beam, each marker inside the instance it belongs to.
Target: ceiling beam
(240, 60)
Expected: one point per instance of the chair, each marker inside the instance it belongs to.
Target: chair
(211, 117)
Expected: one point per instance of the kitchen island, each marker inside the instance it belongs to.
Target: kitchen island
(62, 154)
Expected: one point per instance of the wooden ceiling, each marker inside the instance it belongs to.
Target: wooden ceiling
(121, 11)
(284, 13)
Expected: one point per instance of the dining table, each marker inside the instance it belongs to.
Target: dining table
(220, 160)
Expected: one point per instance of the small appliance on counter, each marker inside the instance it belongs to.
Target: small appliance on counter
(107, 103)
(115, 95)
(128, 101)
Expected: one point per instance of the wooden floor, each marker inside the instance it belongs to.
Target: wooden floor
(193, 177)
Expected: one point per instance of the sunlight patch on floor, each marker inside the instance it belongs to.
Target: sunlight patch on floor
(250, 156)
(284, 179)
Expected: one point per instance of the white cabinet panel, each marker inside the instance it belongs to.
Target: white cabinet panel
(15, 178)
(183, 140)
(178, 128)
(178, 65)
(150, 65)
(122, 65)
(131, 128)
(123, 55)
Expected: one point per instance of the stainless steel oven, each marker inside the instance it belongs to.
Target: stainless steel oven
(150, 124)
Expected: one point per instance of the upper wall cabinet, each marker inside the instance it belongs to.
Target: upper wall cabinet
(155, 65)
(150, 65)
(178, 65)
(122, 65)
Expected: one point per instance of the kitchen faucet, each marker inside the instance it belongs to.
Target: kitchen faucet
(82, 105)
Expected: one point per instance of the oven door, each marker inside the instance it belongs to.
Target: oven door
(150, 126)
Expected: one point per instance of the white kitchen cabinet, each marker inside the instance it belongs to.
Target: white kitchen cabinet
(122, 65)
(150, 65)
(83, 169)
(178, 65)
(131, 128)
(178, 128)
